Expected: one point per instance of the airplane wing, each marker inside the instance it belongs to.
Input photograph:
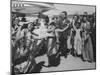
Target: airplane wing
(29, 7)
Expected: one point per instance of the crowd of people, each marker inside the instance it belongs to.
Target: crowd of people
(57, 36)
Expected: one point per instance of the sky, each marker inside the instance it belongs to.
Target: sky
(71, 9)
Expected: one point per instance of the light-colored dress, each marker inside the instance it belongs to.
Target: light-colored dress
(78, 42)
(77, 39)
(69, 45)
(42, 32)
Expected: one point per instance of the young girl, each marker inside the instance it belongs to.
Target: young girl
(77, 38)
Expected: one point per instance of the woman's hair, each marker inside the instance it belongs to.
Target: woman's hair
(78, 17)
(45, 17)
(65, 13)
(23, 19)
